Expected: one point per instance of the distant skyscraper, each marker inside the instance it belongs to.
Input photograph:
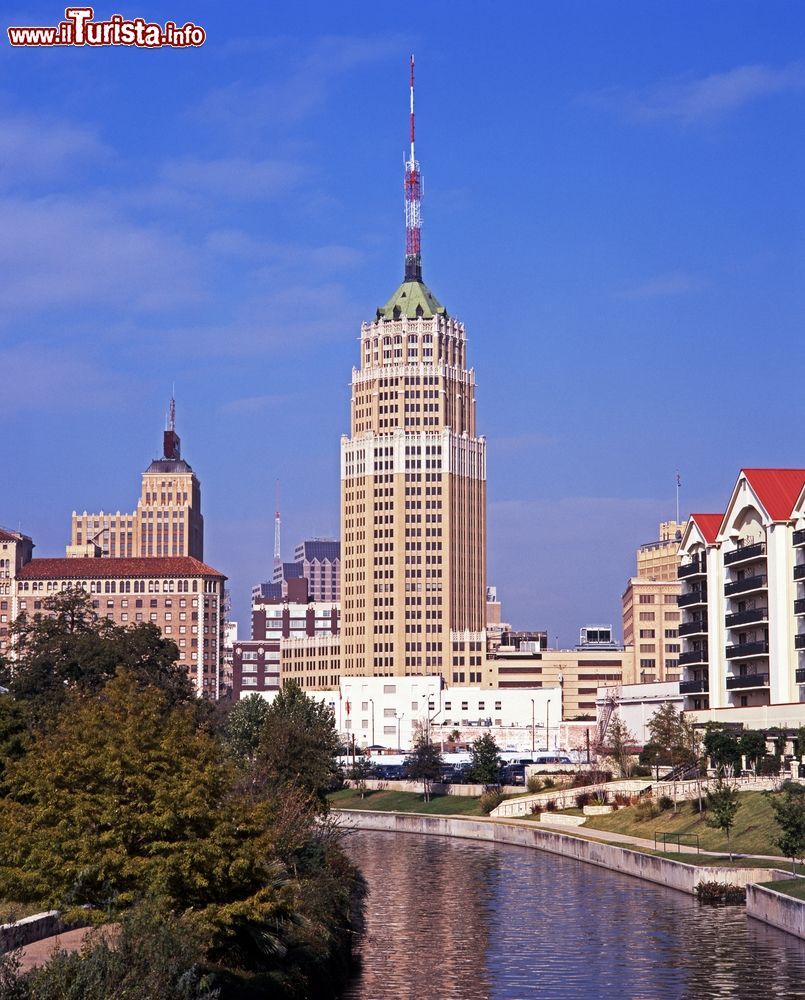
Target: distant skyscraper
(167, 522)
(413, 486)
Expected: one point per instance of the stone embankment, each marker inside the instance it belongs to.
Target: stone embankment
(776, 908)
(674, 874)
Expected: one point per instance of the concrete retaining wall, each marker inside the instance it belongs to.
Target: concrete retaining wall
(22, 932)
(437, 787)
(674, 874)
(777, 909)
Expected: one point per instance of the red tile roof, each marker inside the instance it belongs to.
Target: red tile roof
(777, 489)
(708, 524)
(11, 536)
(94, 569)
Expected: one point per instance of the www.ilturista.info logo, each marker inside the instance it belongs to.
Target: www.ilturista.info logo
(79, 28)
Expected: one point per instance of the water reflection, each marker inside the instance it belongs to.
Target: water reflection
(459, 920)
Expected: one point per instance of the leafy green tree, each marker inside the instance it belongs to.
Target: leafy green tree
(358, 773)
(672, 739)
(242, 728)
(13, 729)
(722, 805)
(424, 763)
(752, 744)
(619, 743)
(486, 762)
(68, 646)
(789, 812)
(299, 745)
(722, 747)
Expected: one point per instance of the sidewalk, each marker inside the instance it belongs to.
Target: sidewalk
(629, 841)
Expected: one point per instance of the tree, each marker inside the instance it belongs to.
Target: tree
(359, 772)
(486, 762)
(668, 736)
(243, 727)
(722, 805)
(721, 747)
(752, 744)
(789, 812)
(299, 745)
(68, 646)
(424, 763)
(618, 743)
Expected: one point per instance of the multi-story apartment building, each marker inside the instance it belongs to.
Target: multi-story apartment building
(182, 596)
(317, 560)
(260, 663)
(650, 612)
(167, 522)
(16, 550)
(741, 599)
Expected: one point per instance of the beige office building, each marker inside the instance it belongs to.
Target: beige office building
(413, 498)
(650, 612)
(167, 521)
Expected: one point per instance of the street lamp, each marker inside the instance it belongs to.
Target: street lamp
(532, 727)
(399, 719)
(547, 729)
(372, 703)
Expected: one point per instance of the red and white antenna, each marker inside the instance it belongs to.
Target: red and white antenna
(277, 550)
(412, 186)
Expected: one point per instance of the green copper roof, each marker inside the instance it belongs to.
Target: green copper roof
(412, 299)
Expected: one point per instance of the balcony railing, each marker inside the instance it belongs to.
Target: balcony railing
(696, 627)
(799, 606)
(692, 656)
(760, 648)
(693, 687)
(799, 641)
(694, 597)
(747, 617)
(799, 572)
(745, 553)
(799, 537)
(758, 582)
(800, 675)
(748, 681)
(693, 568)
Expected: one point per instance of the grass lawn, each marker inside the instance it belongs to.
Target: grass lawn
(791, 887)
(387, 801)
(754, 831)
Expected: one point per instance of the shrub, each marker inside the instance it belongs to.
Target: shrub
(536, 808)
(641, 771)
(624, 799)
(550, 806)
(769, 765)
(583, 799)
(646, 809)
(549, 783)
(664, 803)
(592, 777)
(534, 784)
(720, 893)
(490, 800)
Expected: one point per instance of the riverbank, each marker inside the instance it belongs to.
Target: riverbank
(785, 912)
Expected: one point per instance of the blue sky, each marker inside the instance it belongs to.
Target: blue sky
(613, 206)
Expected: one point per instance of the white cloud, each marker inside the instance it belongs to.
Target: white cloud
(697, 101)
(234, 178)
(36, 148)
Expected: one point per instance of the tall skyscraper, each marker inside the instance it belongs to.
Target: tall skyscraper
(167, 522)
(413, 485)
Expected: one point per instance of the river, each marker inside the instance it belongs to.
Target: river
(462, 920)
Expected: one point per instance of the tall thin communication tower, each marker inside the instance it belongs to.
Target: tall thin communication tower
(277, 547)
(412, 186)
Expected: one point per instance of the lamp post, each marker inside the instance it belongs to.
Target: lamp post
(532, 727)
(372, 703)
(399, 719)
(547, 726)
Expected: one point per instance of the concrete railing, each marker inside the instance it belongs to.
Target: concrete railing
(565, 798)
(776, 908)
(674, 874)
(437, 787)
(28, 929)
